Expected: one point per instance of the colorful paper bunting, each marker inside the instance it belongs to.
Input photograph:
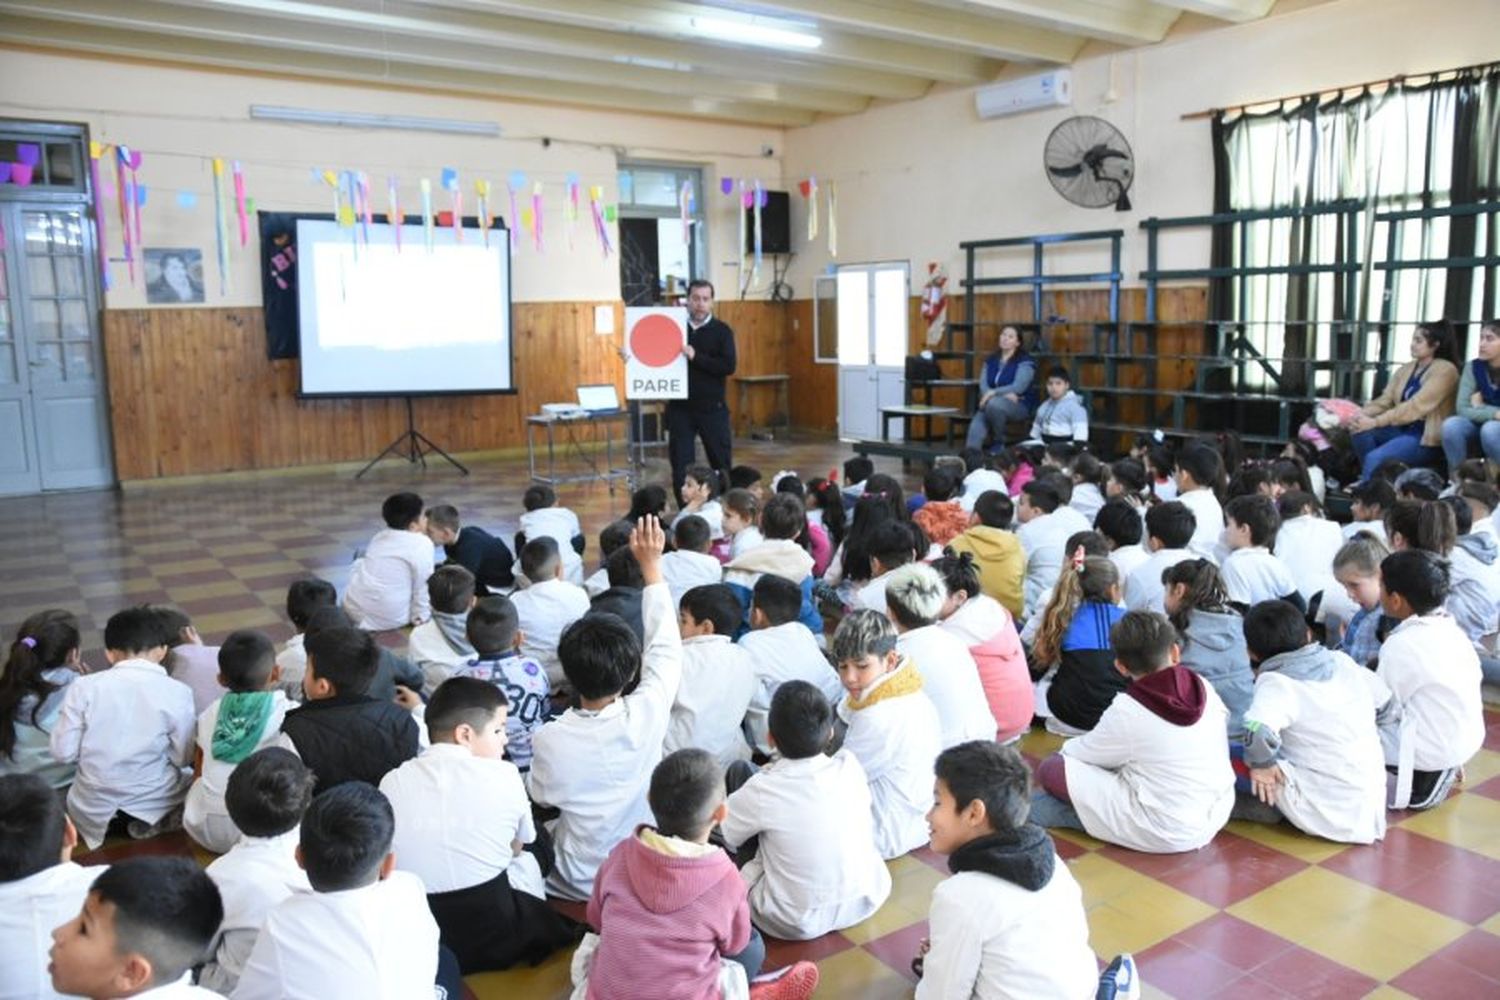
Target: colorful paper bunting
(428, 233)
(833, 219)
(810, 192)
(596, 208)
(726, 185)
(394, 215)
(685, 209)
(513, 184)
(482, 206)
(239, 203)
(536, 216)
(570, 205)
(220, 226)
(760, 201)
(96, 149)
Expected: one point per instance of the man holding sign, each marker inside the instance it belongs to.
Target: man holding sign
(703, 414)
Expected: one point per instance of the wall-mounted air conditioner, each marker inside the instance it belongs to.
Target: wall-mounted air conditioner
(1045, 90)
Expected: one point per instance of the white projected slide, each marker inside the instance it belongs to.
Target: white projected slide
(378, 321)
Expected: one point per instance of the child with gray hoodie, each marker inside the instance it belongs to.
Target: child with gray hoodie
(440, 644)
(1212, 632)
(1062, 415)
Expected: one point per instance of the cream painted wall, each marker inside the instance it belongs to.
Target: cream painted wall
(915, 179)
(180, 118)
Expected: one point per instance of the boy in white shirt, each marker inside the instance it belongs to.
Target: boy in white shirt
(593, 763)
(143, 926)
(782, 649)
(497, 643)
(815, 867)
(1042, 534)
(189, 659)
(1010, 922)
(700, 487)
(388, 585)
(1313, 740)
(1251, 573)
(462, 824)
(304, 598)
(40, 887)
(247, 718)
(266, 797)
(718, 677)
(364, 930)
(915, 598)
(1199, 470)
(741, 515)
(545, 519)
(980, 479)
(547, 607)
(1169, 528)
(690, 564)
(1370, 500)
(614, 536)
(1123, 528)
(1306, 544)
(1433, 672)
(441, 643)
(893, 730)
(890, 548)
(1153, 775)
(130, 728)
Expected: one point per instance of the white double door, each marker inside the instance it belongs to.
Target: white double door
(54, 413)
(873, 308)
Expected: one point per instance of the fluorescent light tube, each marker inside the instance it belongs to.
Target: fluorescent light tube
(759, 31)
(349, 119)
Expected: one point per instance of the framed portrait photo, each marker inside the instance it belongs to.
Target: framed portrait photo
(174, 275)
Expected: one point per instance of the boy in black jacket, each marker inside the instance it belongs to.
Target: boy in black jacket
(340, 732)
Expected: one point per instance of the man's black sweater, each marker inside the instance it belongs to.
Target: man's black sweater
(713, 359)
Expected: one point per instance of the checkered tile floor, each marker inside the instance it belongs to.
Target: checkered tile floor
(1262, 912)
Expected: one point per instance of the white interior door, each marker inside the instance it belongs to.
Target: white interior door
(54, 332)
(19, 472)
(872, 343)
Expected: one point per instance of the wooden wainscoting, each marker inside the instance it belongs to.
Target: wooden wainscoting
(192, 392)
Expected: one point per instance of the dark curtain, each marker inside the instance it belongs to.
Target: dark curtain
(1221, 247)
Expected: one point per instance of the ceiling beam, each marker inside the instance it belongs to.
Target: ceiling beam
(1225, 10)
(1125, 22)
(671, 19)
(472, 22)
(236, 54)
(351, 38)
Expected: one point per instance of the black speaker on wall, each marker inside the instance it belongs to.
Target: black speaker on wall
(775, 224)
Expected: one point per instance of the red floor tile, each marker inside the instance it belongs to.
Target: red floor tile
(1442, 877)
(1234, 941)
(898, 948)
(779, 952)
(1247, 987)
(1229, 869)
(195, 578)
(1489, 789)
(218, 605)
(1184, 971)
(1312, 977)
(1443, 978)
(928, 856)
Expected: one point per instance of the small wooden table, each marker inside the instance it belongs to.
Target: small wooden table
(889, 413)
(781, 416)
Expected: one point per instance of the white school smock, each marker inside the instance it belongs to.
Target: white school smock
(950, 679)
(1432, 669)
(1143, 587)
(817, 869)
(182, 989)
(29, 910)
(993, 940)
(896, 740)
(1252, 575)
(377, 942)
(685, 570)
(1043, 538)
(253, 878)
(1087, 499)
(1144, 783)
(1209, 516)
(1306, 545)
(543, 611)
(596, 766)
(872, 595)
(782, 653)
(429, 651)
(1127, 559)
(293, 663)
(978, 483)
(456, 815)
(388, 585)
(204, 814)
(561, 525)
(130, 728)
(718, 682)
(1331, 755)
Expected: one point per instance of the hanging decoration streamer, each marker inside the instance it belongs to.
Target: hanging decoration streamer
(742, 203)
(96, 150)
(536, 216)
(685, 209)
(239, 203)
(809, 189)
(833, 219)
(482, 206)
(221, 227)
(427, 230)
(332, 180)
(455, 202)
(513, 184)
(394, 215)
(366, 207)
(125, 199)
(596, 208)
(570, 205)
(346, 200)
(760, 201)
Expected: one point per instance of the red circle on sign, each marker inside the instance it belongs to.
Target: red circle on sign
(655, 341)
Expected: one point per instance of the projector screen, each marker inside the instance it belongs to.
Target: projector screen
(376, 321)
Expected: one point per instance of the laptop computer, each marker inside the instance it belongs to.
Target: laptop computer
(598, 400)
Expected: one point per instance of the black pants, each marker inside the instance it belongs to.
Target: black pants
(685, 422)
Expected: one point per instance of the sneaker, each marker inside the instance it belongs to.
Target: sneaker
(1120, 980)
(795, 982)
(139, 829)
